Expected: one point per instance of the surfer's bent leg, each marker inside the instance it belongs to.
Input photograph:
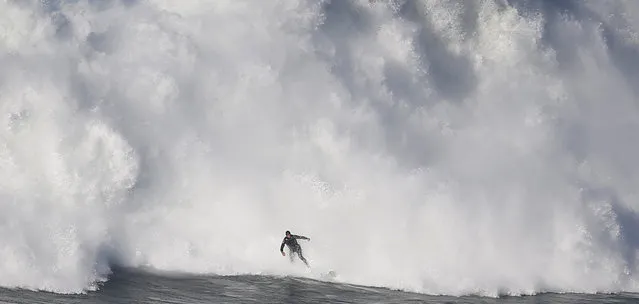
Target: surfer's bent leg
(299, 252)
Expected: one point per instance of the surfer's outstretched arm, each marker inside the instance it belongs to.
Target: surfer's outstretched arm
(301, 237)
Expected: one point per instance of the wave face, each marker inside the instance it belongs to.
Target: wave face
(445, 147)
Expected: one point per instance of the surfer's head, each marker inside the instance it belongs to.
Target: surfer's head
(288, 233)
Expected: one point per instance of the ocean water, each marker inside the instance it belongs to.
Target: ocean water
(132, 286)
(433, 150)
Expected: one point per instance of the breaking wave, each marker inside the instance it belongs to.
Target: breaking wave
(446, 147)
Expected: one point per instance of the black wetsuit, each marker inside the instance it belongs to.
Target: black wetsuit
(293, 246)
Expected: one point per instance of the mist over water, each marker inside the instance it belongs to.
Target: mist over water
(445, 147)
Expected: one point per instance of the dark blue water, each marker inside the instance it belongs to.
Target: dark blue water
(131, 286)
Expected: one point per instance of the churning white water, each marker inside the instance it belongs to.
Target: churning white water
(446, 147)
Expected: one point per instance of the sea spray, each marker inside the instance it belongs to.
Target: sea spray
(444, 147)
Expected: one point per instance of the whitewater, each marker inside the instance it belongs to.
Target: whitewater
(442, 147)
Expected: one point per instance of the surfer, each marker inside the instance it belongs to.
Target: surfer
(290, 240)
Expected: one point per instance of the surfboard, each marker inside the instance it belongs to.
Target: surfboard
(331, 274)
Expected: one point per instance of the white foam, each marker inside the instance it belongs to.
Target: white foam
(439, 147)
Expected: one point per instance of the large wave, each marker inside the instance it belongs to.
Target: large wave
(446, 147)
